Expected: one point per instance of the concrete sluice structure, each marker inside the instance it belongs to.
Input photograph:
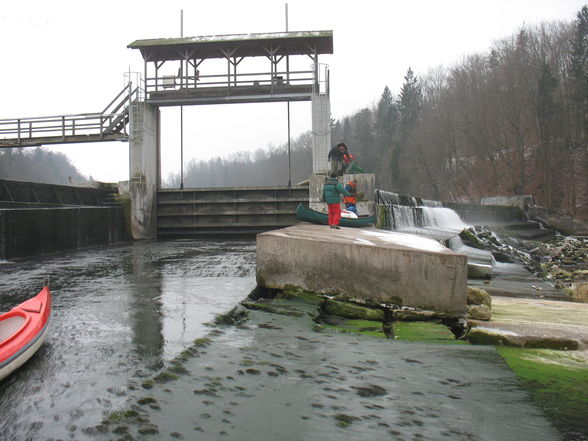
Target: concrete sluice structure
(369, 265)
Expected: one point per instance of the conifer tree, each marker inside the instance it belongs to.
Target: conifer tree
(409, 107)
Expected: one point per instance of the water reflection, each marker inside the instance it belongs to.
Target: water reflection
(145, 307)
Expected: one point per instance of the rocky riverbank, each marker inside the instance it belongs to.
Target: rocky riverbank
(561, 261)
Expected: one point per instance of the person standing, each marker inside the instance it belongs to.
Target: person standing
(335, 157)
(332, 191)
(351, 201)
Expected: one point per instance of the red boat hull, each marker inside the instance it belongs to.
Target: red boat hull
(22, 331)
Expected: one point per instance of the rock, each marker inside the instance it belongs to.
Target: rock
(478, 296)
(469, 237)
(485, 336)
(351, 311)
(236, 315)
(501, 256)
(477, 271)
(479, 312)
(579, 292)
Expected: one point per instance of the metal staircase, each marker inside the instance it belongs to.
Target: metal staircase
(108, 125)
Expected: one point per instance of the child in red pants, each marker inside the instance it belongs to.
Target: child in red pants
(332, 191)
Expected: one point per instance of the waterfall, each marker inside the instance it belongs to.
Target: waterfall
(429, 218)
(412, 214)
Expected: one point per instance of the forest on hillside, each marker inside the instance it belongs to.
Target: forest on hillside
(510, 121)
(38, 165)
(513, 120)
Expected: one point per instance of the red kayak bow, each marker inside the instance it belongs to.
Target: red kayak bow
(22, 331)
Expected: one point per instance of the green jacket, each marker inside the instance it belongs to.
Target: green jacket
(332, 191)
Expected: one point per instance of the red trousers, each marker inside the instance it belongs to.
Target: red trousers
(334, 214)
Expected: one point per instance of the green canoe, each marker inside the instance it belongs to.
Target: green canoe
(306, 214)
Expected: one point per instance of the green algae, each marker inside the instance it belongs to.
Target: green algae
(146, 400)
(201, 342)
(165, 377)
(296, 293)
(365, 327)
(149, 429)
(557, 382)
(351, 310)
(125, 417)
(429, 332)
(148, 384)
(344, 420)
(271, 309)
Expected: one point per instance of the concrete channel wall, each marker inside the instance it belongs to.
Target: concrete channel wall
(38, 218)
(21, 194)
(33, 231)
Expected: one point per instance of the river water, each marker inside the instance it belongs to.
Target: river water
(122, 315)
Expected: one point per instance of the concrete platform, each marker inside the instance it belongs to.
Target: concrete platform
(534, 320)
(373, 265)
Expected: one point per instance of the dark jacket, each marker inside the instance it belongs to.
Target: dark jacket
(352, 190)
(332, 191)
(335, 153)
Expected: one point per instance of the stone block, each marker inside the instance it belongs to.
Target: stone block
(372, 265)
(478, 296)
(479, 312)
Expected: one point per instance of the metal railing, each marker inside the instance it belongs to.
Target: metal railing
(112, 120)
(253, 79)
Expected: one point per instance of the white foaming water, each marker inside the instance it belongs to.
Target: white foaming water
(442, 217)
(406, 218)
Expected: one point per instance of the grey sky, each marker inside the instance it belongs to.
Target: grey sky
(66, 57)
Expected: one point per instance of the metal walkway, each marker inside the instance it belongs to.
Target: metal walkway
(108, 125)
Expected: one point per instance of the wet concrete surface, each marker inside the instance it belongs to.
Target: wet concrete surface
(124, 316)
(274, 378)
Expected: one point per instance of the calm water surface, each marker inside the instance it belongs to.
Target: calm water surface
(118, 315)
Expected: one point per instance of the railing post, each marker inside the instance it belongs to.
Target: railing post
(18, 129)
(63, 127)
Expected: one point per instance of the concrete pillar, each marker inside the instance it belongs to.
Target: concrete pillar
(145, 172)
(321, 133)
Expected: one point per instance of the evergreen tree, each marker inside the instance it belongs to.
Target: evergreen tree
(386, 119)
(409, 107)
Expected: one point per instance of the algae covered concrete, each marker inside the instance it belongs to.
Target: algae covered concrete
(274, 378)
(376, 266)
(537, 322)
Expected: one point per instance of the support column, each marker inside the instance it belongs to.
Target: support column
(145, 172)
(321, 133)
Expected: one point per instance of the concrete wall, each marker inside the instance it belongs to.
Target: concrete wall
(366, 184)
(29, 232)
(374, 265)
(145, 178)
(21, 194)
(321, 132)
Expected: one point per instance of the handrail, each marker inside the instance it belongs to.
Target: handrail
(277, 79)
(98, 123)
(117, 97)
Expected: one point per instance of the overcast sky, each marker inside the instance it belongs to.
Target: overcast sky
(68, 57)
